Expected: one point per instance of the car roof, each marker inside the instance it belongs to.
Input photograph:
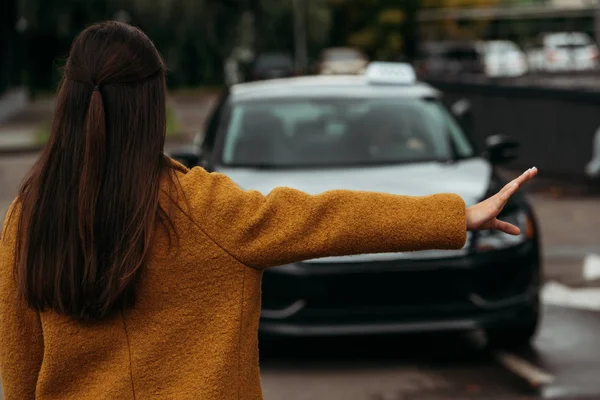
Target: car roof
(327, 86)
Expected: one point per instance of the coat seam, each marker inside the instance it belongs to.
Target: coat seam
(239, 379)
(211, 238)
(129, 353)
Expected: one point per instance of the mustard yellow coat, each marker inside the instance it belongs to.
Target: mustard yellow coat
(192, 333)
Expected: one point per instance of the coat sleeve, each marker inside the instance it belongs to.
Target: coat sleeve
(288, 225)
(21, 340)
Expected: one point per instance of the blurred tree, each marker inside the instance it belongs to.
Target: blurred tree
(464, 29)
(276, 21)
(384, 29)
(51, 26)
(194, 36)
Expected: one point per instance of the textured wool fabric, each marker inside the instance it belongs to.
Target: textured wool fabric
(192, 333)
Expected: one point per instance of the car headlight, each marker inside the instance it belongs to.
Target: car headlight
(495, 240)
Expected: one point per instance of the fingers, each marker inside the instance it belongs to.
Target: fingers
(525, 176)
(506, 227)
(520, 180)
(503, 196)
(509, 189)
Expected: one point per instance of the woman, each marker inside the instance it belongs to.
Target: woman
(125, 275)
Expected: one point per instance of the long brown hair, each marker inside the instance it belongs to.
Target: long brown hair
(90, 204)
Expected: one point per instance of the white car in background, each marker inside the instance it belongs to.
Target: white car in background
(503, 58)
(342, 61)
(563, 51)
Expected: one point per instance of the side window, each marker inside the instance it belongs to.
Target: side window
(212, 127)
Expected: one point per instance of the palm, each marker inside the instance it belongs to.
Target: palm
(484, 215)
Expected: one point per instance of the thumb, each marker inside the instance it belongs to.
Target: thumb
(505, 227)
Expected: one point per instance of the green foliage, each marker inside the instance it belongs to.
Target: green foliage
(42, 133)
(195, 36)
(381, 28)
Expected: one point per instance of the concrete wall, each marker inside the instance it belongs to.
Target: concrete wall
(556, 128)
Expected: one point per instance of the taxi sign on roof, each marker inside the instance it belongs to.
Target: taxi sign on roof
(390, 73)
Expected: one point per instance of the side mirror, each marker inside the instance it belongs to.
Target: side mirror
(187, 156)
(463, 113)
(461, 108)
(501, 149)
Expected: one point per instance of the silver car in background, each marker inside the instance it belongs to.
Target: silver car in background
(563, 51)
(503, 59)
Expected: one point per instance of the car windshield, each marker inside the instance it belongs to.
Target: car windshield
(568, 40)
(500, 47)
(340, 131)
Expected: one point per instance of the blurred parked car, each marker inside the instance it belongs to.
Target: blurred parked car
(562, 51)
(449, 59)
(503, 58)
(342, 60)
(273, 66)
(381, 132)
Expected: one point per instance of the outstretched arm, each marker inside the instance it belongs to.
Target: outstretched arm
(288, 225)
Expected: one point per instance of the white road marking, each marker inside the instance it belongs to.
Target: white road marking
(557, 294)
(570, 252)
(535, 376)
(591, 267)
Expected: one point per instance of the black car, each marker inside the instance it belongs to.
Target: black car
(389, 135)
(272, 66)
(450, 59)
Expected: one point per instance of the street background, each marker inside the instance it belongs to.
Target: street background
(210, 44)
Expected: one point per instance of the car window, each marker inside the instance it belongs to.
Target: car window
(207, 138)
(329, 132)
(274, 61)
(565, 40)
(462, 54)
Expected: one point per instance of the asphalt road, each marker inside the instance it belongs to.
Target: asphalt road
(438, 367)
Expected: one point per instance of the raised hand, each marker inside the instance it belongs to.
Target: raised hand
(483, 216)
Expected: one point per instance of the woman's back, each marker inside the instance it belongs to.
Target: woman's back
(192, 327)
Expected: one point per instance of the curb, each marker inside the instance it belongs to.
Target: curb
(16, 150)
(177, 139)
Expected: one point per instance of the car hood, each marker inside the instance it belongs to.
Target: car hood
(470, 179)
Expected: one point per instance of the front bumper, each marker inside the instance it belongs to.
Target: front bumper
(452, 294)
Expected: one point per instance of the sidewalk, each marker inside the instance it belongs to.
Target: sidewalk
(192, 111)
(20, 133)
